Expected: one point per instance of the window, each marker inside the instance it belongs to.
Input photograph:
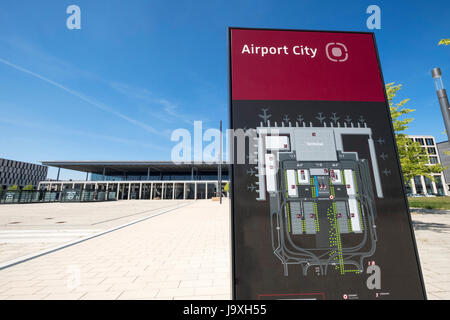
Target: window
(431, 150)
(420, 141)
(418, 184)
(428, 185)
(434, 160)
(439, 186)
(429, 141)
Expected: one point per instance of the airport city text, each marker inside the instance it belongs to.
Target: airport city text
(298, 50)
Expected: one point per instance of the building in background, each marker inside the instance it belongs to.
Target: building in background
(422, 184)
(444, 147)
(145, 180)
(20, 173)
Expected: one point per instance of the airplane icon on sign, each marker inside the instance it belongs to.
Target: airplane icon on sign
(334, 118)
(265, 116)
(348, 119)
(320, 117)
(251, 172)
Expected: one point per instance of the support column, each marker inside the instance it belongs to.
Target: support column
(413, 186)
(184, 190)
(148, 174)
(129, 190)
(103, 174)
(95, 192)
(433, 186)
(195, 191)
(140, 191)
(173, 191)
(87, 174)
(206, 190)
(444, 184)
(117, 192)
(151, 191)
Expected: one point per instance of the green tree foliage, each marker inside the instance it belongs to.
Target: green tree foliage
(444, 42)
(13, 188)
(227, 187)
(28, 187)
(413, 157)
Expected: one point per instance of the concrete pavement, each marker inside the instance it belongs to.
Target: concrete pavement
(432, 232)
(29, 228)
(182, 254)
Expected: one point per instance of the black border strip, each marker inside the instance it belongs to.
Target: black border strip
(231, 170)
(408, 212)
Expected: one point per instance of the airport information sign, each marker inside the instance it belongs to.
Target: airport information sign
(318, 203)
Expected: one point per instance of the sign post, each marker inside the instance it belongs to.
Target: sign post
(318, 205)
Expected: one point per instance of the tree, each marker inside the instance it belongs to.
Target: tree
(227, 187)
(413, 157)
(28, 187)
(444, 42)
(13, 188)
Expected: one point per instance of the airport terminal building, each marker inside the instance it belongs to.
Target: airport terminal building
(126, 180)
(423, 185)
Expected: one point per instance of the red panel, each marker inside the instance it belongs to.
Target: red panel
(354, 76)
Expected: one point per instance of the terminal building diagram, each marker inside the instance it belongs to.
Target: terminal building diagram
(318, 198)
(321, 199)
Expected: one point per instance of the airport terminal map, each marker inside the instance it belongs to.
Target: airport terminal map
(318, 208)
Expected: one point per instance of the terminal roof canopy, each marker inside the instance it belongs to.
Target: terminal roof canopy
(134, 166)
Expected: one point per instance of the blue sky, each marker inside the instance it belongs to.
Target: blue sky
(136, 70)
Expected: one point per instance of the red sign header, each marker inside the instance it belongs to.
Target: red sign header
(304, 65)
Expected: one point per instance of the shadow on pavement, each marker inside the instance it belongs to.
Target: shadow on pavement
(429, 211)
(431, 226)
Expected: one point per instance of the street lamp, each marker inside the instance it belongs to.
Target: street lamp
(443, 99)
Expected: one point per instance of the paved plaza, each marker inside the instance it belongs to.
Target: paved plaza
(432, 230)
(181, 254)
(150, 250)
(29, 228)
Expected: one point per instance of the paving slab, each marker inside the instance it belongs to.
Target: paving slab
(162, 257)
(432, 231)
(30, 228)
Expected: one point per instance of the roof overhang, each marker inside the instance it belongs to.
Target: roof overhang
(121, 167)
